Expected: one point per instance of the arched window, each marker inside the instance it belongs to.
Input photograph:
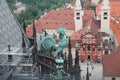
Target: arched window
(88, 47)
(106, 52)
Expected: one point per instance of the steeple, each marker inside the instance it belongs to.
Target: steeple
(105, 16)
(78, 5)
(23, 39)
(77, 67)
(24, 26)
(78, 13)
(34, 32)
(89, 28)
(69, 57)
(105, 3)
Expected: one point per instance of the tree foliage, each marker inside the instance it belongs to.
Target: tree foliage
(35, 8)
(90, 7)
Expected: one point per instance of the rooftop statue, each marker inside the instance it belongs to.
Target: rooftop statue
(48, 45)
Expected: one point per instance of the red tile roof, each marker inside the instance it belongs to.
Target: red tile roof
(114, 8)
(59, 15)
(94, 29)
(111, 64)
(115, 17)
(87, 3)
(95, 25)
(115, 26)
(53, 20)
(98, 10)
(58, 18)
(88, 14)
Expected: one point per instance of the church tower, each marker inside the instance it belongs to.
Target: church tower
(78, 13)
(105, 17)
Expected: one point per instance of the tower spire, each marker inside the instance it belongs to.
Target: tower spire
(69, 57)
(34, 32)
(78, 5)
(23, 39)
(105, 3)
(78, 13)
(105, 16)
(24, 26)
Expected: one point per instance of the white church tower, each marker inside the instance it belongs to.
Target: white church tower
(105, 17)
(78, 13)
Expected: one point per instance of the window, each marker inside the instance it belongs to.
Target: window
(77, 18)
(9, 58)
(106, 52)
(105, 13)
(93, 49)
(83, 49)
(106, 40)
(98, 49)
(88, 47)
(110, 39)
(105, 18)
(67, 37)
(113, 78)
(77, 13)
(54, 36)
(88, 57)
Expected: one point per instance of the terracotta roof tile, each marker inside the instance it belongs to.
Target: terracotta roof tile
(58, 18)
(88, 14)
(64, 14)
(114, 8)
(116, 29)
(115, 17)
(111, 64)
(76, 36)
(98, 10)
(53, 20)
(87, 3)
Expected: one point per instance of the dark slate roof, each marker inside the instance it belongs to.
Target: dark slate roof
(10, 29)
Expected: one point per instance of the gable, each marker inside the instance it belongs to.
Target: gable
(88, 35)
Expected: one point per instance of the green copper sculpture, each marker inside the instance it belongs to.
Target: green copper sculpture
(48, 45)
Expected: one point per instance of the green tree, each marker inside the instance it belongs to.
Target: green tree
(35, 8)
(53, 7)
